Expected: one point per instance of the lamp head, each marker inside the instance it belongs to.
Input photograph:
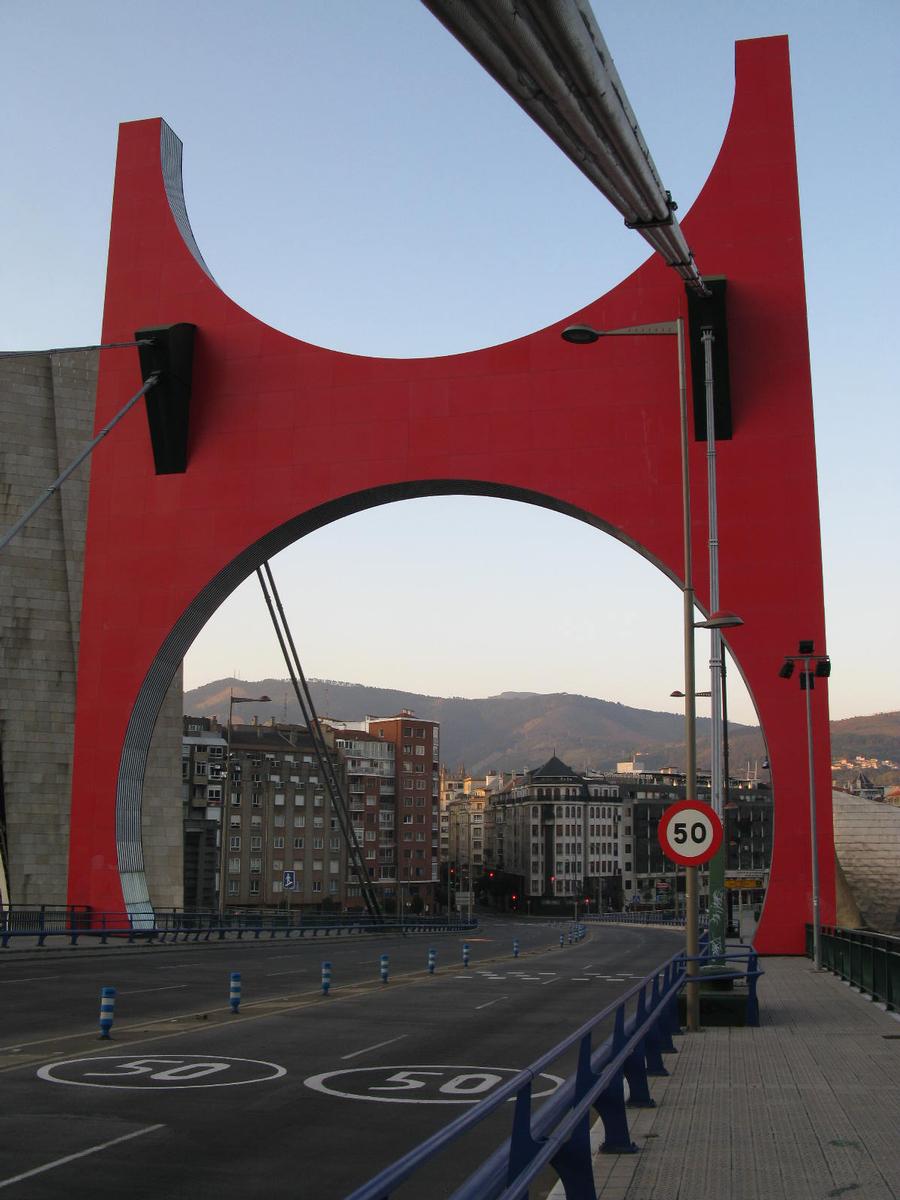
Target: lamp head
(787, 669)
(720, 620)
(580, 335)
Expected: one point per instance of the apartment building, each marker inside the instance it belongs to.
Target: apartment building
(406, 819)
(282, 842)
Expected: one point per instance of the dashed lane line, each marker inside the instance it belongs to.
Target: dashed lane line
(58, 1162)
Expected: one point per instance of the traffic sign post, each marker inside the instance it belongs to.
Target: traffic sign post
(690, 832)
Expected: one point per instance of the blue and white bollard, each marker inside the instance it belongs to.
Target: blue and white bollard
(326, 977)
(562, 941)
(107, 1011)
(515, 947)
(570, 937)
(432, 959)
(234, 991)
(383, 967)
(465, 954)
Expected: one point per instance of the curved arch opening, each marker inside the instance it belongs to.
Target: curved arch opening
(553, 557)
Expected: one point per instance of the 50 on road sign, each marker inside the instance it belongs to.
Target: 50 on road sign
(690, 832)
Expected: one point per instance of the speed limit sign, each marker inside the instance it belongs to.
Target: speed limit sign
(690, 832)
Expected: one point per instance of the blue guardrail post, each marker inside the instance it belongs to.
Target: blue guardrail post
(107, 1011)
(234, 991)
(465, 954)
(383, 967)
(432, 959)
(326, 977)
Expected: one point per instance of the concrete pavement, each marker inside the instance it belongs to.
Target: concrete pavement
(806, 1106)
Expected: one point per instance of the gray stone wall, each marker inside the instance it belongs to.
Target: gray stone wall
(46, 417)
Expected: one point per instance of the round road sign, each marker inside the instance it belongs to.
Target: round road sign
(690, 832)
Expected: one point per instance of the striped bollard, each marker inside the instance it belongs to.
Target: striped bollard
(107, 1011)
(515, 947)
(465, 954)
(432, 959)
(326, 977)
(562, 941)
(383, 968)
(234, 991)
(570, 937)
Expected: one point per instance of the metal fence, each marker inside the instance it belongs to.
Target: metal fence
(639, 1027)
(869, 961)
(80, 925)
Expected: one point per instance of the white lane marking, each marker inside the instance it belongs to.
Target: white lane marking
(546, 981)
(580, 979)
(31, 979)
(489, 1003)
(58, 1162)
(296, 970)
(463, 976)
(169, 987)
(377, 1046)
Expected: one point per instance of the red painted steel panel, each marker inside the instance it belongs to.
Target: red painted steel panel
(592, 429)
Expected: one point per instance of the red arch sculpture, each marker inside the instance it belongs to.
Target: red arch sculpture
(315, 434)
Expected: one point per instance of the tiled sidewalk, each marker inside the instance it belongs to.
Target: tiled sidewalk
(805, 1107)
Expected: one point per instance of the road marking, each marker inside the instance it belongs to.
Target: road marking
(580, 979)
(377, 1046)
(429, 1084)
(58, 1162)
(489, 1003)
(294, 971)
(546, 981)
(163, 1072)
(169, 987)
(31, 979)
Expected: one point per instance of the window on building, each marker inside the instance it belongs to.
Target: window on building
(254, 887)
(278, 842)
(234, 843)
(256, 843)
(233, 886)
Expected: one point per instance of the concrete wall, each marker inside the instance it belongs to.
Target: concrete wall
(46, 417)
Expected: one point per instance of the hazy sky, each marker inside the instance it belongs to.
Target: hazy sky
(354, 178)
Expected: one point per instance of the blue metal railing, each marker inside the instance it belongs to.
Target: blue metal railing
(557, 1135)
(41, 924)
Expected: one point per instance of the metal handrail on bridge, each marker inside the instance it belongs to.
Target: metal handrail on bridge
(558, 1134)
(202, 926)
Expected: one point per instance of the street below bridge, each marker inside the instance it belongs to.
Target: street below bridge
(300, 1094)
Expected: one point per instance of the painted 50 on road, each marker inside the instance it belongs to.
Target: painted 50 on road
(429, 1084)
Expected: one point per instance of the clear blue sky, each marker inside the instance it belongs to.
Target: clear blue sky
(354, 178)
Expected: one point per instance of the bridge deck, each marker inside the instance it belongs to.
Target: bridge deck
(806, 1106)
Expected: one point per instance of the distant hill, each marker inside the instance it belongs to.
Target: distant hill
(511, 731)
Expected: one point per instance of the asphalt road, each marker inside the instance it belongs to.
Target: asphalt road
(300, 1095)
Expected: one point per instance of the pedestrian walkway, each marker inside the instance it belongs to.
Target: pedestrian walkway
(806, 1106)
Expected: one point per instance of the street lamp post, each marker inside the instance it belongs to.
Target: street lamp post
(814, 666)
(226, 798)
(582, 335)
(718, 775)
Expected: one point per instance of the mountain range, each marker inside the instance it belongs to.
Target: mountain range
(518, 730)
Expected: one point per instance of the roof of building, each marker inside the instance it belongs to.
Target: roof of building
(555, 769)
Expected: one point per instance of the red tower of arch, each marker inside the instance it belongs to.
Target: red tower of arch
(315, 434)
